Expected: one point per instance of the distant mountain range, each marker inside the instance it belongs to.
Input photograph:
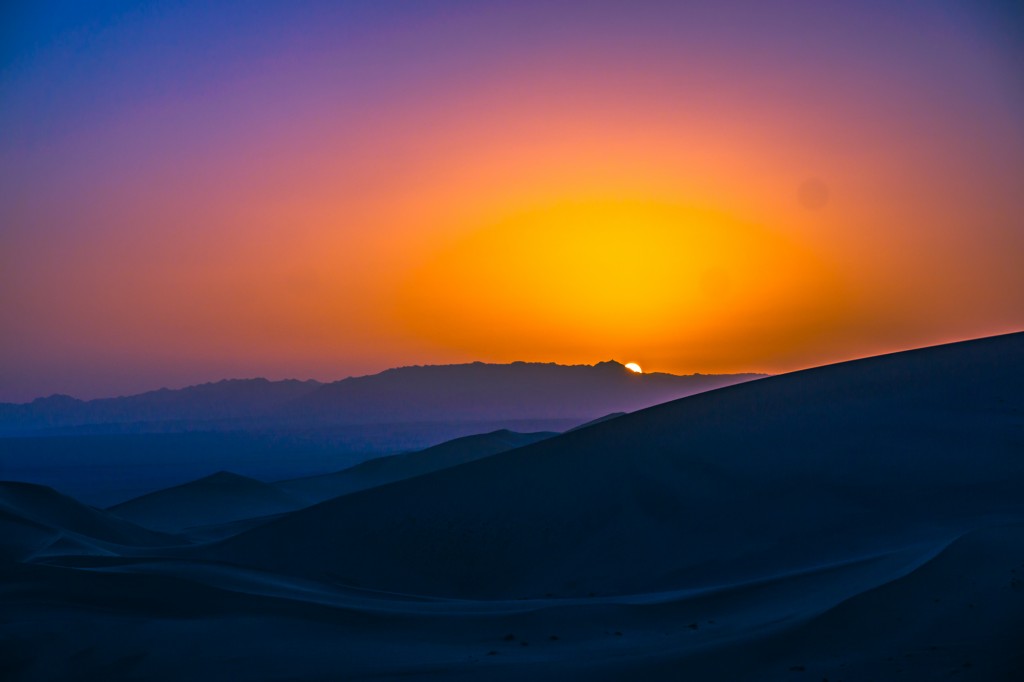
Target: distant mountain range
(475, 392)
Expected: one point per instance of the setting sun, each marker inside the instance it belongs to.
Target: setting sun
(633, 367)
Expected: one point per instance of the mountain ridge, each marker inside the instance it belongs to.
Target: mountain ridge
(402, 394)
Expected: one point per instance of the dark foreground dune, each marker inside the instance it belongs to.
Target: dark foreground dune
(857, 521)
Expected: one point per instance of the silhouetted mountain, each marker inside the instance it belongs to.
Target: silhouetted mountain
(479, 391)
(233, 399)
(501, 395)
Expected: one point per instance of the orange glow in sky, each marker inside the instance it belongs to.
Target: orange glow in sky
(691, 188)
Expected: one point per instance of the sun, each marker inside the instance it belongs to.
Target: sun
(633, 367)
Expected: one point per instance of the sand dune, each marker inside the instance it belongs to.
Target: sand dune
(224, 503)
(917, 613)
(605, 418)
(33, 518)
(768, 476)
(857, 521)
(219, 498)
(383, 470)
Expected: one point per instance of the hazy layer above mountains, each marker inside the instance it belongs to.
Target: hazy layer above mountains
(438, 393)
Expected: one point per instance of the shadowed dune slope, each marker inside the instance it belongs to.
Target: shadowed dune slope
(592, 422)
(957, 614)
(33, 517)
(769, 476)
(222, 497)
(385, 470)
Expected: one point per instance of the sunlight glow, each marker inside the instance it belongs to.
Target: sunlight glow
(633, 367)
(556, 278)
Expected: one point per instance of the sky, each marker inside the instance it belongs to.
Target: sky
(192, 191)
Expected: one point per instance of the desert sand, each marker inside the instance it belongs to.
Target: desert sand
(857, 521)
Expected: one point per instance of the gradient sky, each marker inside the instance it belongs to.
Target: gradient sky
(191, 191)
